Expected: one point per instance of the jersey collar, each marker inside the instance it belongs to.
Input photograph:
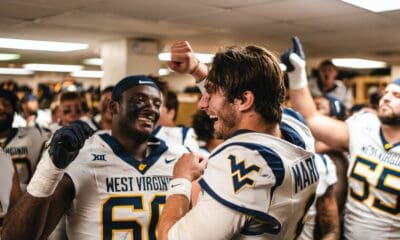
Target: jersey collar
(386, 145)
(156, 146)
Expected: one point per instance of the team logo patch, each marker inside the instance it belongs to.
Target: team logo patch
(99, 157)
(241, 172)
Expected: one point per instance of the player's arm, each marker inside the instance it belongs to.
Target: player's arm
(36, 217)
(325, 129)
(41, 202)
(187, 169)
(183, 60)
(209, 219)
(15, 190)
(328, 215)
(60, 202)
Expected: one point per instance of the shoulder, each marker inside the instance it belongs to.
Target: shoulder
(240, 176)
(295, 127)
(363, 118)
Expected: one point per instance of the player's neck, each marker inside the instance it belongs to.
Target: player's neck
(135, 147)
(213, 143)
(391, 133)
(255, 122)
(105, 124)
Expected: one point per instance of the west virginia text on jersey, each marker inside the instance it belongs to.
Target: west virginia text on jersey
(118, 197)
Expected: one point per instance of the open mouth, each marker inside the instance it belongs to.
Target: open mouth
(148, 120)
(214, 118)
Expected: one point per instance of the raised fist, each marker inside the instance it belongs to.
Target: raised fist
(67, 142)
(297, 49)
(294, 59)
(183, 59)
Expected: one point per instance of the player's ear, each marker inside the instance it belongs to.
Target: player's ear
(246, 101)
(114, 107)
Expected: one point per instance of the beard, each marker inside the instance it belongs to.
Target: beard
(390, 120)
(6, 123)
(227, 123)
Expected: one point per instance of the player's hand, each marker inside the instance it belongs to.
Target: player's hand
(190, 166)
(183, 59)
(296, 50)
(294, 59)
(67, 142)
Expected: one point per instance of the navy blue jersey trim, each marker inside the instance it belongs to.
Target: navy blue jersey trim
(294, 114)
(275, 224)
(386, 145)
(185, 131)
(142, 166)
(292, 135)
(155, 131)
(96, 124)
(270, 156)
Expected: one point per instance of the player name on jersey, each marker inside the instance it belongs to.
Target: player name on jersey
(16, 150)
(304, 173)
(134, 184)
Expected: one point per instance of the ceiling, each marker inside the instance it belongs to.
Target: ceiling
(327, 28)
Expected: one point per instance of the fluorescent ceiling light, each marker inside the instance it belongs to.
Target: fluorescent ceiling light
(88, 74)
(203, 57)
(41, 45)
(9, 56)
(376, 5)
(15, 71)
(52, 67)
(357, 63)
(93, 61)
(163, 71)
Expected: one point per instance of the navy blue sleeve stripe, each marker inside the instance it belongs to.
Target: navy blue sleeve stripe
(275, 224)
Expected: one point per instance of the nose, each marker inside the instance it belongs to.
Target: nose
(203, 103)
(386, 97)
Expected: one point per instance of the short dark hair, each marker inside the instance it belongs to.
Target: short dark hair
(65, 96)
(326, 62)
(11, 97)
(171, 102)
(251, 68)
(107, 89)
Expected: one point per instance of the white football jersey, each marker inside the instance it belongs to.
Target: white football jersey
(24, 145)
(6, 175)
(270, 179)
(373, 200)
(327, 177)
(179, 136)
(116, 196)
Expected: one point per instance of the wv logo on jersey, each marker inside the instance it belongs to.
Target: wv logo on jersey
(99, 157)
(240, 172)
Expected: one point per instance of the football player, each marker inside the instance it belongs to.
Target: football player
(372, 209)
(166, 129)
(322, 221)
(112, 188)
(260, 182)
(10, 190)
(24, 145)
